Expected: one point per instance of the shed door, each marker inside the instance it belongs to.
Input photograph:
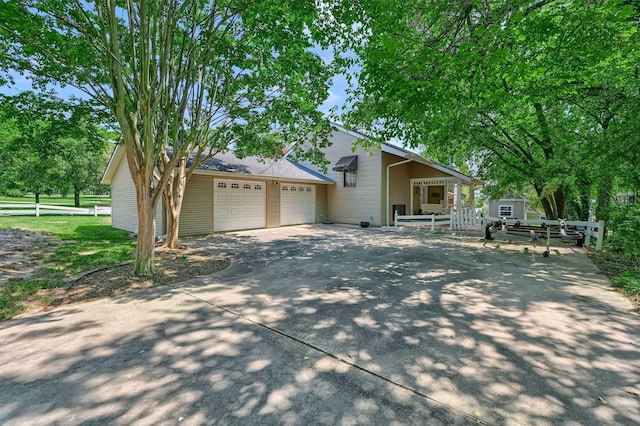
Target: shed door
(296, 204)
(238, 205)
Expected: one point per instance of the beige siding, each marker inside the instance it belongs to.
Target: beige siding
(518, 208)
(398, 186)
(196, 217)
(124, 212)
(273, 204)
(124, 209)
(353, 204)
(321, 203)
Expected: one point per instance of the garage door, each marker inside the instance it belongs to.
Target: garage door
(238, 205)
(296, 204)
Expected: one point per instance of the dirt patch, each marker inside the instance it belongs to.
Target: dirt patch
(172, 266)
(24, 253)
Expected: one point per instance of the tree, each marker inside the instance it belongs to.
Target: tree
(497, 83)
(30, 154)
(175, 74)
(49, 143)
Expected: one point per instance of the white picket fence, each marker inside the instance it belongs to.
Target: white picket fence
(36, 209)
(465, 219)
(590, 229)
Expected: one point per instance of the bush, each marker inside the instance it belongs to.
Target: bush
(624, 236)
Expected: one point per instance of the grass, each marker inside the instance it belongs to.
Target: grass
(89, 242)
(623, 271)
(86, 201)
(13, 294)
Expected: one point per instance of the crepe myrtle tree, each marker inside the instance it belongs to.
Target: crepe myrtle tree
(183, 78)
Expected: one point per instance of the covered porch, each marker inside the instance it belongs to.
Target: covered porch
(437, 195)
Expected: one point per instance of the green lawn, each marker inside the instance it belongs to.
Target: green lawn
(86, 201)
(90, 242)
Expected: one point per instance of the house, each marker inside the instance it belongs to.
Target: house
(227, 193)
(510, 207)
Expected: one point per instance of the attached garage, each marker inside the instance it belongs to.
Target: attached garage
(238, 205)
(226, 193)
(296, 204)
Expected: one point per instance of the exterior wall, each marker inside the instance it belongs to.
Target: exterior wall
(362, 202)
(273, 204)
(196, 216)
(518, 207)
(398, 186)
(321, 203)
(124, 209)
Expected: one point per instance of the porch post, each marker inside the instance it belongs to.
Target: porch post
(458, 195)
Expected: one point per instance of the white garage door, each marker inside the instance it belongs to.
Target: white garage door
(296, 204)
(238, 205)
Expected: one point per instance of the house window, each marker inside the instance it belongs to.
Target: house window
(505, 210)
(349, 178)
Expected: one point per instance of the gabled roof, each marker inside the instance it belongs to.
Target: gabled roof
(390, 148)
(227, 162)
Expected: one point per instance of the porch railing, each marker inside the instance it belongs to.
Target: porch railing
(465, 219)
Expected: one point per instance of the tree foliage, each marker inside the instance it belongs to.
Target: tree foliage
(531, 93)
(49, 144)
(182, 78)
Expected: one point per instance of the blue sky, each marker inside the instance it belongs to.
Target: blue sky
(336, 96)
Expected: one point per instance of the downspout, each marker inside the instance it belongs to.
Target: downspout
(388, 167)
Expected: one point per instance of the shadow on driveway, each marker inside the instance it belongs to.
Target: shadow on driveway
(339, 325)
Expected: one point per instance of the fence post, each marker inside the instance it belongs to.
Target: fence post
(37, 209)
(587, 237)
(600, 235)
(451, 221)
(95, 211)
(433, 221)
(395, 218)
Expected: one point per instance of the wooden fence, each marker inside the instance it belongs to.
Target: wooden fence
(465, 219)
(36, 209)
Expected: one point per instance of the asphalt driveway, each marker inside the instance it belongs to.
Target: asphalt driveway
(339, 325)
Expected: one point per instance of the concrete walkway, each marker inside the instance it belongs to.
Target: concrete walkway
(339, 325)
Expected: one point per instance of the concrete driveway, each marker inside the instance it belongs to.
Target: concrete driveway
(339, 325)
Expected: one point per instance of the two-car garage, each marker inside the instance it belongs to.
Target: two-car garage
(226, 193)
(240, 204)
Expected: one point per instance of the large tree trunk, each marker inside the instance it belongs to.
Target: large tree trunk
(173, 196)
(560, 202)
(76, 197)
(145, 250)
(603, 200)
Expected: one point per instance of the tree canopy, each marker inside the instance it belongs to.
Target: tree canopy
(49, 144)
(182, 76)
(534, 93)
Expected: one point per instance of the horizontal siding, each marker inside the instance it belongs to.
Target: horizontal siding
(353, 204)
(321, 203)
(124, 208)
(273, 204)
(124, 211)
(196, 217)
